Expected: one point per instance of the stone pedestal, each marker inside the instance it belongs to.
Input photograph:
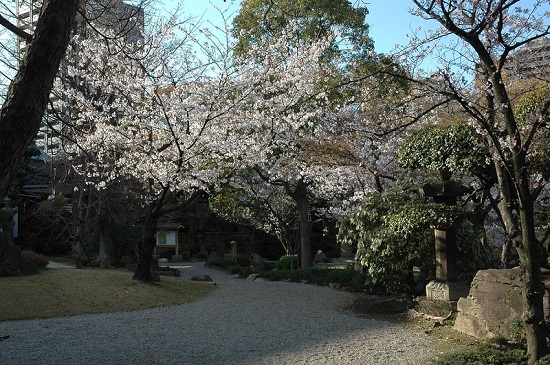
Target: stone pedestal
(449, 291)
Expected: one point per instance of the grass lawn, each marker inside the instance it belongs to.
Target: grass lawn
(65, 292)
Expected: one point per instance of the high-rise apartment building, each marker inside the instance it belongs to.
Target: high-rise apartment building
(531, 60)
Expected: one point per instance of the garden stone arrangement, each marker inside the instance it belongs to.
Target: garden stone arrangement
(241, 322)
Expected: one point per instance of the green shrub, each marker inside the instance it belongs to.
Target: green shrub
(243, 260)
(344, 278)
(287, 262)
(36, 259)
(222, 262)
(244, 271)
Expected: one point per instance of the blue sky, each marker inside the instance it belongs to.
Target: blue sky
(389, 20)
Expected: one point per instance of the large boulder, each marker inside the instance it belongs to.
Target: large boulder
(256, 262)
(494, 301)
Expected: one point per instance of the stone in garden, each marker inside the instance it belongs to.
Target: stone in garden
(233, 245)
(212, 257)
(320, 257)
(494, 301)
(201, 278)
(256, 262)
(252, 277)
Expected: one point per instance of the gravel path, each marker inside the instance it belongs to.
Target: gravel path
(241, 322)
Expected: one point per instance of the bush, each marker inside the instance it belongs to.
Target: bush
(36, 259)
(344, 278)
(287, 262)
(240, 266)
(222, 262)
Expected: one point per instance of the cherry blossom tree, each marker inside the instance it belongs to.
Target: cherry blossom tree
(151, 110)
(290, 130)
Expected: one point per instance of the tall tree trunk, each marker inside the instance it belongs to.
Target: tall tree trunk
(81, 213)
(146, 246)
(28, 93)
(533, 291)
(105, 243)
(504, 207)
(300, 197)
(104, 229)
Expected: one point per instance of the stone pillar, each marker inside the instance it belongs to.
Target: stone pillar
(445, 254)
(233, 245)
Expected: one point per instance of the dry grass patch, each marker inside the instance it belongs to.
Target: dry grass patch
(65, 292)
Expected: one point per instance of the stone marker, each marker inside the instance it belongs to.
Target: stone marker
(445, 286)
(233, 245)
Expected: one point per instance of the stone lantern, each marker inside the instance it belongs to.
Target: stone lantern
(446, 285)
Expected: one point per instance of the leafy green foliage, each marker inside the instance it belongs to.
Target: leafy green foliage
(287, 262)
(315, 19)
(393, 232)
(449, 147)
(388, 255)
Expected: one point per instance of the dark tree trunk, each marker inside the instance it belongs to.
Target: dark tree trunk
(81, 214)
(300, 197)
(105, 243)
(146, 246)
(533, 291)
(28, 94)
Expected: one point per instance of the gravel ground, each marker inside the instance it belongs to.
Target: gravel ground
(241, 322)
